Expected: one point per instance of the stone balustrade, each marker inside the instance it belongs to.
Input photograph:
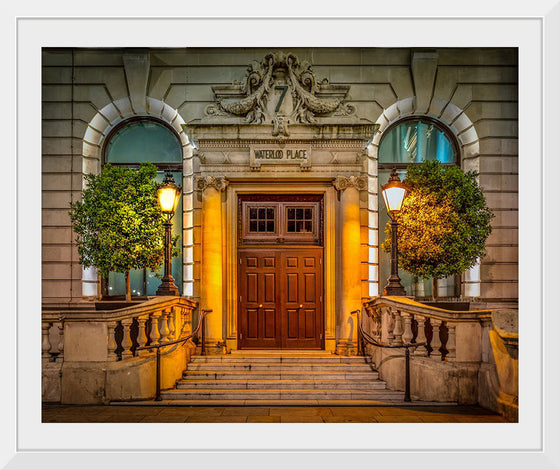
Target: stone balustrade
(454, 361)
(442, 335)
(99, 355)
(158, 320)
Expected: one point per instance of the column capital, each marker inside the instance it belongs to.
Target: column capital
(217, 182)
(343, 182)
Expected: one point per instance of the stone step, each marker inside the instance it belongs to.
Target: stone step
(279, 375)
(280, 352)
(278, 366)
(331, 359)
(396, 400)
(276, 394)
(281, 384)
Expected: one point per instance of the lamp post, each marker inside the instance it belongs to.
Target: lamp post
(394, 193)
(168, 196)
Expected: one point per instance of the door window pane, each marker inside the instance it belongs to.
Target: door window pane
(262, 219)
(300, 220)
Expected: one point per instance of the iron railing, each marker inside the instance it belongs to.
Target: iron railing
(199, 327)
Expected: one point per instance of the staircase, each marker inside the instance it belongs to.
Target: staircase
(280, 378)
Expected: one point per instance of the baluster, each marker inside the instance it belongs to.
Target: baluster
(154, 333)
(421, 350)
(46, 342)
(390, 324)
(398, 329)
(182, 320)
(111, 343)
(164, 328)
(60, 346)
(451, 344)
(172, 317)
(378, 327)
(183, 317)
(436, 341)
(142, 338)
(126, 340)
(407, 335)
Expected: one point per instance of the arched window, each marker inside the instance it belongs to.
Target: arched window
(413, 141)
(133, 142)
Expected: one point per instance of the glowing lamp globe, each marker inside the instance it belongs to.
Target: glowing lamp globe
(393, 193)
(168, 195)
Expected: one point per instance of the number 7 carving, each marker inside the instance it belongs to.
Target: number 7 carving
(284, 89)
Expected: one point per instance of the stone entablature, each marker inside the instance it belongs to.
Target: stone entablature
(325, 150)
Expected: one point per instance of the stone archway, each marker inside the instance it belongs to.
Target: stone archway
(94, 138)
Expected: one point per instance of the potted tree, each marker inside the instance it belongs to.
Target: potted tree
(443, 223)
(118, 223)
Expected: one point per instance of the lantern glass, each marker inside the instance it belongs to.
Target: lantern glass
(394, 197)
(168, 198)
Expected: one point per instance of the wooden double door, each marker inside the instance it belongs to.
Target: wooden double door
(280, 303)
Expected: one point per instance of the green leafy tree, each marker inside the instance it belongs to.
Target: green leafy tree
(119, 223)
(444, 221)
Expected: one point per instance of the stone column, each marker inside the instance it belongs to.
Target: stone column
(351, 286)
(211, 282)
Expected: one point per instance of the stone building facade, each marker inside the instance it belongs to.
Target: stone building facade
(280, 168)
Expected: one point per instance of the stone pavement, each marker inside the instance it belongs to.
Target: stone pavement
(267, 414)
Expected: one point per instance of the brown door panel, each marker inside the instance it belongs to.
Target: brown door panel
(280, 304)
(257, 308)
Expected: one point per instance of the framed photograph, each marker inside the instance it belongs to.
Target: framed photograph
(531, 30)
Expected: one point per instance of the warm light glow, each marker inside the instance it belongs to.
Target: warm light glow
(167, 199)
(168, 195)
(394, 197)
(393, 193)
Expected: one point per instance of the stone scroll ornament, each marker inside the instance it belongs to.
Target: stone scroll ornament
(280, 90)
(343, 182)
(219, 183)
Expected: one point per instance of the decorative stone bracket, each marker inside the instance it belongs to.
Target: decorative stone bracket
(217, 182)
(343, 182)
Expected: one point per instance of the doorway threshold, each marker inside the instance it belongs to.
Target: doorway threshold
(280, 352)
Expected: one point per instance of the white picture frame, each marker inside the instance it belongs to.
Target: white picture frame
(533, 443)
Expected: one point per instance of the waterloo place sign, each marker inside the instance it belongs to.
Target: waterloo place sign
(279, 155)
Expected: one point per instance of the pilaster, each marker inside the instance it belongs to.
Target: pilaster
(349, 186)
(211, 285)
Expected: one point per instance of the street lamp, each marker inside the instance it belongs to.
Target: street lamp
(168, 196)
(394, 193)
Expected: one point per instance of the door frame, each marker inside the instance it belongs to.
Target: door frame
(231, 260)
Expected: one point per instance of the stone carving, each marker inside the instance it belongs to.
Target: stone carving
(342, 182)
(279, 90)
(217, 182)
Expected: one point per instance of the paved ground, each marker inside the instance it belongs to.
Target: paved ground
(267, 414)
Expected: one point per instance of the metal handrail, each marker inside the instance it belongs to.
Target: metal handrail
(365, 336)
(158, 346)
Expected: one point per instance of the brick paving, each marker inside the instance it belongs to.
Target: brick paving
(267, 414)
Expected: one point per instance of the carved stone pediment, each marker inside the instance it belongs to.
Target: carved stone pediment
(280, 90)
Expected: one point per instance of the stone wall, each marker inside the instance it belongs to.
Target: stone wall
(88, 91)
